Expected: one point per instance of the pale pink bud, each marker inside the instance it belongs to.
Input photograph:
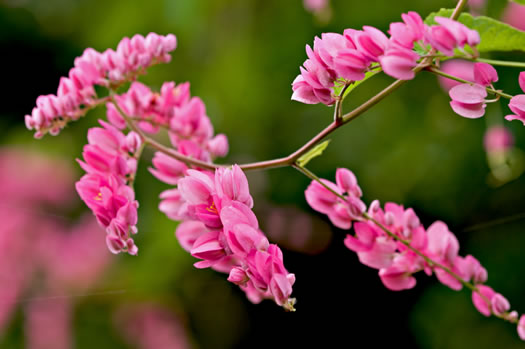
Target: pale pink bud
(481, 303)
(512, 316)
(468, 100)
(375, 206)
(499, 304)
(485, 74)
(441, 242)
(347, 181)
(218, 145)
(133, 142)
(238, 276)
(517, 105)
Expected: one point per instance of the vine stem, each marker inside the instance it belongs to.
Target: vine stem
(452, 77)
(498, 62)
(158, 146)
(289, 160)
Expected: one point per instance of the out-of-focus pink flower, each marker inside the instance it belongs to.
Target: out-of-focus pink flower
(497, 139)
(514, 14)
(468, 100)
(48, 324)
(149, 326)
(315, 6)
(485, 74)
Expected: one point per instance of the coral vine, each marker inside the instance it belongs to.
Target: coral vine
(213, 201)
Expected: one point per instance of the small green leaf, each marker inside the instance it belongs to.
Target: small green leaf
(520, 1)
(314, 152)
(340, 83)
(495, 35)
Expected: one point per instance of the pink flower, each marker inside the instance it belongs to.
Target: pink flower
(482, 299)
(399, 62)
(351, 64)
(341, 212)
(396, 278)
(521, 80)
(517, 105)
(468, 100)
(485, 74)
(372, 43)
(412, 30)
(450, 34)
(218, 146)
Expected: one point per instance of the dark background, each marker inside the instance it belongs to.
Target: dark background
(241, 57)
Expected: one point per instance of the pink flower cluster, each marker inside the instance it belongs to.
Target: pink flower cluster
(221, 229)
(76, 93)
(469, 100)
(189, 128)
(110, 160)
(336, 59)
(517, 103)
(408, 248)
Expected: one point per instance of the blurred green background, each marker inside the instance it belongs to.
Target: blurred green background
(241, 57)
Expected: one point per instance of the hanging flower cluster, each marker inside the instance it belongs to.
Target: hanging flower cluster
(337, 59)
(394, 241)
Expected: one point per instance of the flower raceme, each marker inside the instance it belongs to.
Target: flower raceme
(220, 228)
(337, 59)
(76, 93)
(393, 240)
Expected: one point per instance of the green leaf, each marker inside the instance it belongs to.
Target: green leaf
(520, 1)
(314, 152)
(339, 84)
(495, 35)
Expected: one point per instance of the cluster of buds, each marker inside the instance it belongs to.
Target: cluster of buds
(338, 59)
(76, 93)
